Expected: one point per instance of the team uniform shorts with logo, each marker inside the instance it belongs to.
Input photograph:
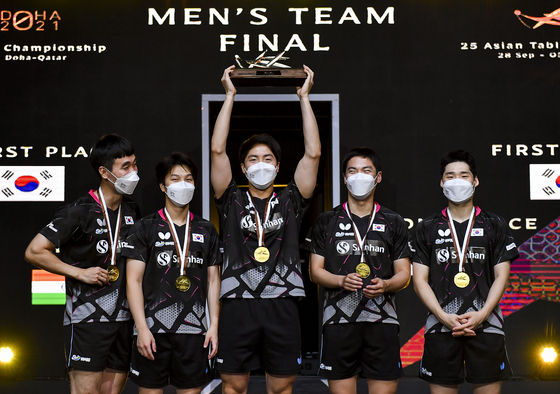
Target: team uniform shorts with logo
(371, 350)
(97, 346)
(259, 333)
(180, 360)
(450, 361)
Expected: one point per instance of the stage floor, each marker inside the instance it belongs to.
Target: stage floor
(303, 385)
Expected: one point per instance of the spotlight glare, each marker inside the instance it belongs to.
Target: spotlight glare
(6, 354)
(549, 354)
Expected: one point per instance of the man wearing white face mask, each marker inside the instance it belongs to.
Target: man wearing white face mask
(172, 274)
(462, 259)
(360, 254)
(261, 274)
(90, 235)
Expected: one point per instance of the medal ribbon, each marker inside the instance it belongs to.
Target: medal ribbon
(181, 252)
(462, 252)
(112, 241)
(258, 222)
(359, 239)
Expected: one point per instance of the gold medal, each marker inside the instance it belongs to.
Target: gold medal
(461, 280)
(262, 254)
(113, 273)
(363, 269)
(182, 283)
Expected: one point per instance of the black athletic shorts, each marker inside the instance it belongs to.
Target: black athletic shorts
(259, 333)
(371, 350)
(97, 346)
(450, 361)
(180, 360)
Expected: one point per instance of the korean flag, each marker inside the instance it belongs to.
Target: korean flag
(31, 183)
(544, 181)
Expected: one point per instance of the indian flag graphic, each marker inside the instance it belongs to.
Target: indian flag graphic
(47, 288)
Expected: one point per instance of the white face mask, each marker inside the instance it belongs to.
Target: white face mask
(458, 190)
(125, 184)
(361, 185)
(261, 175)
(180, 193)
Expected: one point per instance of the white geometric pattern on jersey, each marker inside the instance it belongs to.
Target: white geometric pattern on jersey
(168, 316)
(150, 322)
(295, 279)
(229, 284)
(125, 304)
(276, 279)
(273, 291)
(246, 294)
(368, 316)
(433, 321)
(297, 293)
(198, 308)
(478, 303)
(454, 306)
(254, 277)
(349, 303)
(123, 315)
(281, 269)
(192, 319)
(102, 319)
(82, 312)
(371, 305)
(389, 310)
(186, 329)
(329, 312)
(343, 320)
(108, 302)
(494, 321)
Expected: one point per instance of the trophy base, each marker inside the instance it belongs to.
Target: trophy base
(268, 77)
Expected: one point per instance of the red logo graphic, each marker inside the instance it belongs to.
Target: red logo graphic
(548, 19)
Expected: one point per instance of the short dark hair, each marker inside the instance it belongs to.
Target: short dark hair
(260, 139)
(366, 152)
(165, 165)
(458, 155)
(107, 149)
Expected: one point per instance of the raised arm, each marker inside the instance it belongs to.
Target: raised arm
(220, 174)
(39, 252)
(306, 171)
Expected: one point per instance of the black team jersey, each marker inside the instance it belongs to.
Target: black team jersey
(490, 244)
(242, 275)
(387, 240)
(79, 231)
(168, 310)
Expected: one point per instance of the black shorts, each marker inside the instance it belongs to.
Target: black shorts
(450, 361)
(180, 360)
(259, 333)
(97, 346)
(371, 350)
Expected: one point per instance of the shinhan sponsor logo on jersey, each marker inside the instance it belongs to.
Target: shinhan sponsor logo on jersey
(198, 238)
(344, 247)
(473, 253)
(75, 357)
